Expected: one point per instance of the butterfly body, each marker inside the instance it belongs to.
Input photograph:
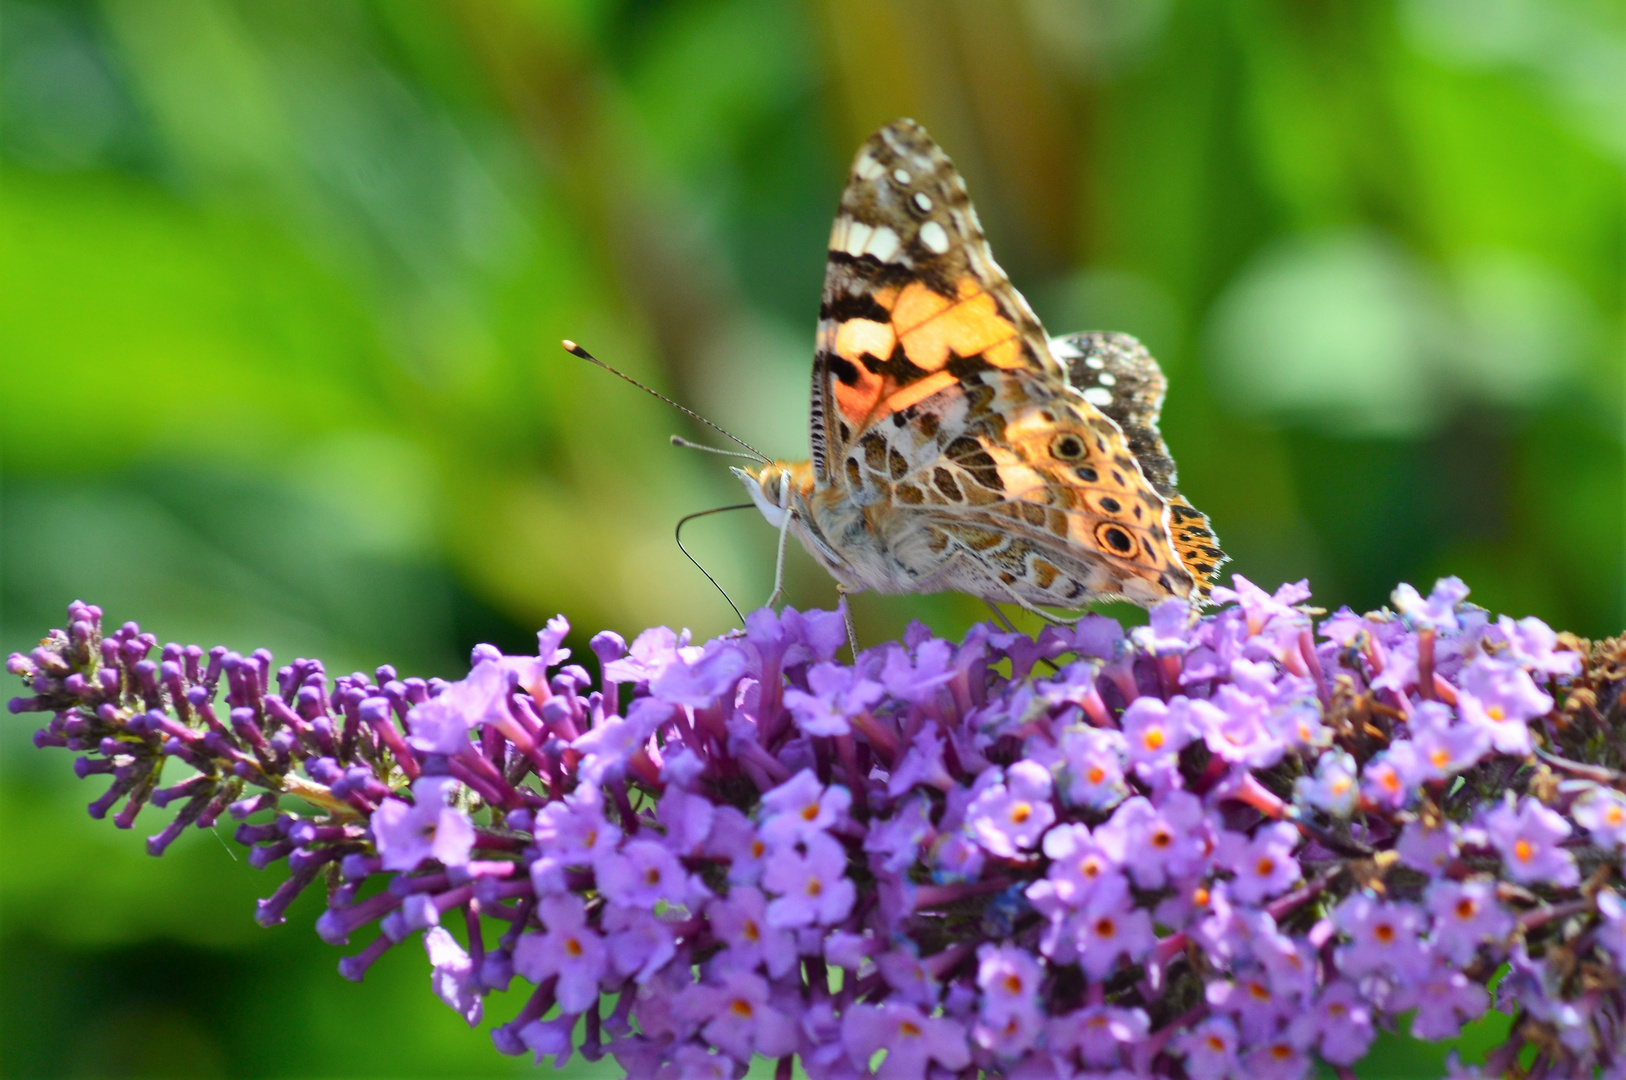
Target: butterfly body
(950, 450)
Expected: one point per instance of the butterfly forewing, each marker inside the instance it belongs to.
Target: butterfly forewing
(913, 299)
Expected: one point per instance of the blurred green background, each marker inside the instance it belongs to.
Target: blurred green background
(281, 287)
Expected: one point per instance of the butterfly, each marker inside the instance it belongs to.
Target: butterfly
(954, 446)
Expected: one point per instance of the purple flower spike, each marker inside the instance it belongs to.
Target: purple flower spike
(1225, 844)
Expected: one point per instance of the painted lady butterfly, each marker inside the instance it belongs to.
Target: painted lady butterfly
(951, 447)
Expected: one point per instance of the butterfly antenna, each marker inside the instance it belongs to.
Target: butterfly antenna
(684, 520)
(576, 350)
(678, 440)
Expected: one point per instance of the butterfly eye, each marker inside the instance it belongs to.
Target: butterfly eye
(1067, 447)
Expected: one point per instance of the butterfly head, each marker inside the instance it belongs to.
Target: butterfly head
(779, 488)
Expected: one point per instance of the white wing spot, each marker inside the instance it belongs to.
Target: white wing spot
(838, 233)
(1094, 362)
(901, 176)
(883, 243)
(867, 167)
(934, 237)
(1098, 397)
(922, 201)
(1106, 378)
(858, 235)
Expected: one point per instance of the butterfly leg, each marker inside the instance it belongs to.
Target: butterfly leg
(1054, 620)
(847, 616)
(779, 561)
(1000, 615)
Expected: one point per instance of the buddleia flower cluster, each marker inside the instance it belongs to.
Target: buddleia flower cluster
(1227, 846)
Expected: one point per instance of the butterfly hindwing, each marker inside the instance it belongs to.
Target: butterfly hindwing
(1117, 374)
(1025, 478)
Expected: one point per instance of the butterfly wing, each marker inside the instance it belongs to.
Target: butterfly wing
(939, 409)
(1034, 494)
(1117, 374)
(913, 300)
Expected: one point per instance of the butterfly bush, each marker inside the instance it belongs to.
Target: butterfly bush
(1226, 846)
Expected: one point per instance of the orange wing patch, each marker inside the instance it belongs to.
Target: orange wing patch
(918, 391)
(931, 326)
(901, 362)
